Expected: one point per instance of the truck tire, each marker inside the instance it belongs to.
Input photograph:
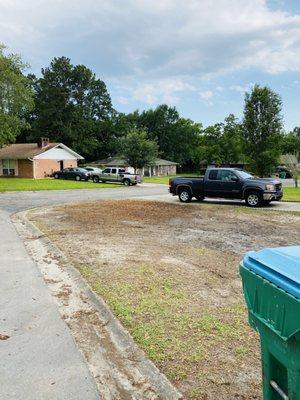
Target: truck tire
(126, 182)
(185, 195)
(78, 178)
(56, 176)
(95, 179)
(253, 198)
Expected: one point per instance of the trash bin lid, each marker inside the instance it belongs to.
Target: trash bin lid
(280, 266)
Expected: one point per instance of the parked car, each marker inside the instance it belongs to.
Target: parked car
(116, 175)
(72, 173)
(93, 170)
(228, 183)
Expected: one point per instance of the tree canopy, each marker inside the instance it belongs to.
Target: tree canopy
(16, 97)
(262, 128)
(137, 149)
(71, 105)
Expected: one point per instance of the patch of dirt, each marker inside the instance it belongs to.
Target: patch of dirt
(170, 274)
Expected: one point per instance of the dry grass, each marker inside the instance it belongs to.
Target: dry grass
(170, 274)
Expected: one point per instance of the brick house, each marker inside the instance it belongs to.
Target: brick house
(36, 160)
(157, 168)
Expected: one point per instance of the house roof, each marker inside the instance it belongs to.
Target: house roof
(160, 161)
(116, 162)
(19, 151)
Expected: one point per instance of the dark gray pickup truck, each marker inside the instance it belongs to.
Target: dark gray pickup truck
(227, 183)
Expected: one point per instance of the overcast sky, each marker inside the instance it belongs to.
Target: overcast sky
(200, 55)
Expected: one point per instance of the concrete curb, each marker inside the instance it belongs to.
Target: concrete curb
(119, 335)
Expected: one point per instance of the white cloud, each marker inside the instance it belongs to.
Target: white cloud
(206, 95)
(164, 90)
(195, 37)
(156, 51)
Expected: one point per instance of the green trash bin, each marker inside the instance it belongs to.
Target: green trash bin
(271, 284)
(282, 174)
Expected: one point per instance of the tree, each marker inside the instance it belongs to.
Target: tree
(222, 142)
(16, 97)
(291, 143)
(231, 140)
(176, 137)
(262, 127)
(137, 149)
(71, 105)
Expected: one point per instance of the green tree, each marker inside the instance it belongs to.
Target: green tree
(262, 127)
(176, 137)
(16, 97)
(231, 140)
(291, 143)
(222, 142)
(137, 149)
(71, 106)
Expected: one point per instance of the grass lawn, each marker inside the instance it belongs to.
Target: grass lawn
(290, 193)
(21, 184)
(164, 180)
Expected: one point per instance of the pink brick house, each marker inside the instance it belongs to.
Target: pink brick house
(36, 160)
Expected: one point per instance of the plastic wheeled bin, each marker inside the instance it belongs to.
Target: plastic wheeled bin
(271, 284)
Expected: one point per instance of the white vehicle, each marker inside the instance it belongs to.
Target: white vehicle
(93, 170)
(116, 175)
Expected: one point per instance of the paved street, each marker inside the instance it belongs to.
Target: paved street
(40, 360)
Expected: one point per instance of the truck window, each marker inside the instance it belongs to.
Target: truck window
(106, 171)
(213, 175)
(227, 176)
(121, 171)
(114, 170)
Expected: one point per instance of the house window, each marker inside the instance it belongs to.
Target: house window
(9, 167)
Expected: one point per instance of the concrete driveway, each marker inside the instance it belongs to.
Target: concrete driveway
(38, 357)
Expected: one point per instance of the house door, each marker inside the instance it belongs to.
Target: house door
(61, 165)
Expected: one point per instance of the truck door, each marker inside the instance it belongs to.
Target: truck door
(106, 173)
(114, 174)
(231, 186)
(212, 184)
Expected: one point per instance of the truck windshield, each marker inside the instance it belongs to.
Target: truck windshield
(244, 175)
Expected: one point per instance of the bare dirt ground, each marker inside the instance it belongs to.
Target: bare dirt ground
(170, 274)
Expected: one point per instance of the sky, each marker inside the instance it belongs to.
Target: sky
(198, 55)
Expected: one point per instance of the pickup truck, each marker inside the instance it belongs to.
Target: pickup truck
(227, 183)
(116, 175)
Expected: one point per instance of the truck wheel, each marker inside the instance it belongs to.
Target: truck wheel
(95, 179)
(126, 182)
(56, 176)
(185, 195)
(200, 198)
(253, 199)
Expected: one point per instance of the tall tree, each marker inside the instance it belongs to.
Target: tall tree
(222, 142)
(16, 97)
(71, 105)
(137, 149)
(262, 128)
(176, 137)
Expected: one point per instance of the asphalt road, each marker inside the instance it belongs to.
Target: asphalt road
(39, 360)
(12, 202)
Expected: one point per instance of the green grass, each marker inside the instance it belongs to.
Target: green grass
(164, 180)
(291, 194)
(22, 184)
(154, 309)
